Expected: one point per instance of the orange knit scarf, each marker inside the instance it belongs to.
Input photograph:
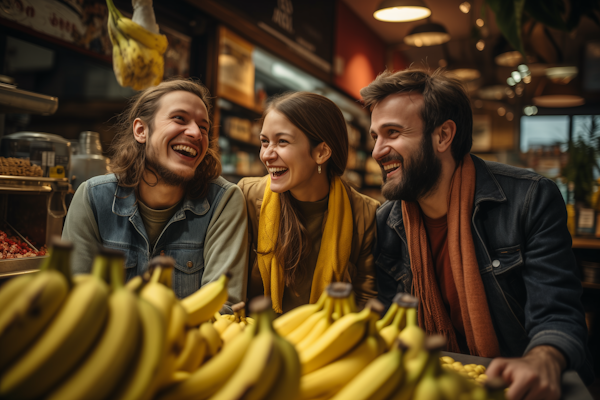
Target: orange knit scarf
(433, 317)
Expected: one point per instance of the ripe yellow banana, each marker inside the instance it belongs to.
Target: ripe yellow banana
(139, 381)
(412, 335)
(378, 380)
(176, 332)
(286, 323)
(232, 331)
(101, 371)
(287, 383)
(159, 295)
(255, 377)
(31, 313)
(202, 304)
(64, 342)
(212, 338)
(209, 378)
(302, 331)
(390, 333)
(340, 338)
(222, 324)
(428, 387)
(13, 287)
(193, 352)
(332, 377)
(389, 316)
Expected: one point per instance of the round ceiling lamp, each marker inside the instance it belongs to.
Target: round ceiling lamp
(427, 34)
(401, 10)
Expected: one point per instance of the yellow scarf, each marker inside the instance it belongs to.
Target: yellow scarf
(334, 254)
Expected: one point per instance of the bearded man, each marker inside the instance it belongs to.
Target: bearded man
(484, 246)
(164, 195)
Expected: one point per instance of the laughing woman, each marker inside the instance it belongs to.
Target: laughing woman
(307, 227)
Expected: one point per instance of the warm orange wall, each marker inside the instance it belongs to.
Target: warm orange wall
(362, 52)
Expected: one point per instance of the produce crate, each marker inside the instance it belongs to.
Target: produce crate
(572, 385)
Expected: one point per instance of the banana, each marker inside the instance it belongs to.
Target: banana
(176, 333)
(412, 335)
(139, 383)
(416, 367)
(101, 371)
(256, 375)
(209, 378)
(332, 377)
(232, 331)
(451, 384)
(64, 342)
(24, 319)
(313, 327)
(222, 324)
(389, 315)
(378, 380)
(428, 387)
(202, 304)
(158, 294)
(213, 340)
(287, 383)
(239, 311)
(10, 289)
(390, 333)
(495, 388)
(288, 322)
(340, 338)
(137, 32)
(302, 331)
(250, 321)
(193, 352)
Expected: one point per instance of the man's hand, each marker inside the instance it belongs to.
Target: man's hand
(534, 376)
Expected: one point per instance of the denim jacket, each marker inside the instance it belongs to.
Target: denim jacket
(121, 227)
(523, 249)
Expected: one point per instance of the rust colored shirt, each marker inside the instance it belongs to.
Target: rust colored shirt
(437, 232)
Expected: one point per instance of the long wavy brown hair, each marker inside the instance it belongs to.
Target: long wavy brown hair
(321, 121)
(128, 156)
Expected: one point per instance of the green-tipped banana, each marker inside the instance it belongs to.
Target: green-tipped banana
(205, 302)
(25, 318)
(65, 341)
(101, 371)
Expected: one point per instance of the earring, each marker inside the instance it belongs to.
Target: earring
(319, 168)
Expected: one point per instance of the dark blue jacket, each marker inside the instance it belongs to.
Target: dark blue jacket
(523, 249)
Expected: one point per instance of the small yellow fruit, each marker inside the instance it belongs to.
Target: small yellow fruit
(447, 360)
(480, 368)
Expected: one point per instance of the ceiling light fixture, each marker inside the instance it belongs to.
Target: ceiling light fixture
(401, 10)
(552, 95)
(427, 34)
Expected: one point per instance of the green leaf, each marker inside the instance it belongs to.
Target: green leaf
(548, 12)
(509, 15)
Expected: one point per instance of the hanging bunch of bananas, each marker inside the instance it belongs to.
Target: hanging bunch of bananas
(137, 50)
(94, 337)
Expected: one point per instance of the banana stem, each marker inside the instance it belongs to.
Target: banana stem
(113, 9)
(156, 274)
(399, 318)
(99, 268)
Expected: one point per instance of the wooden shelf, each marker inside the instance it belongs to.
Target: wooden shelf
(590, 285)
(586, 243)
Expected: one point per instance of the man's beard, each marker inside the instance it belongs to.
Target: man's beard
(419, 176)
(168, 177)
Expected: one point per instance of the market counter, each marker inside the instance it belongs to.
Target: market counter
(572, 385)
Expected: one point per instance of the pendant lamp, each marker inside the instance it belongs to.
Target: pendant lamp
(427, 34)
(401, 10)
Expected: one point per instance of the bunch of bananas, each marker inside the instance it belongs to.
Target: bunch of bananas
(256, 364)
(137, 52)
(94, 337)
(473, 371)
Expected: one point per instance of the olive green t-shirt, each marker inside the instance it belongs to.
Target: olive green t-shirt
(311, 214)
(155, 220)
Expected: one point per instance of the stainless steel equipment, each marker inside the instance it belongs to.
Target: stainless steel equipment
(35, 207)
(49, 151)
(89, 161)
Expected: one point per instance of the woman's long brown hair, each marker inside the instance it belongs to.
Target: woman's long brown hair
(128, 156)
(321, 121)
